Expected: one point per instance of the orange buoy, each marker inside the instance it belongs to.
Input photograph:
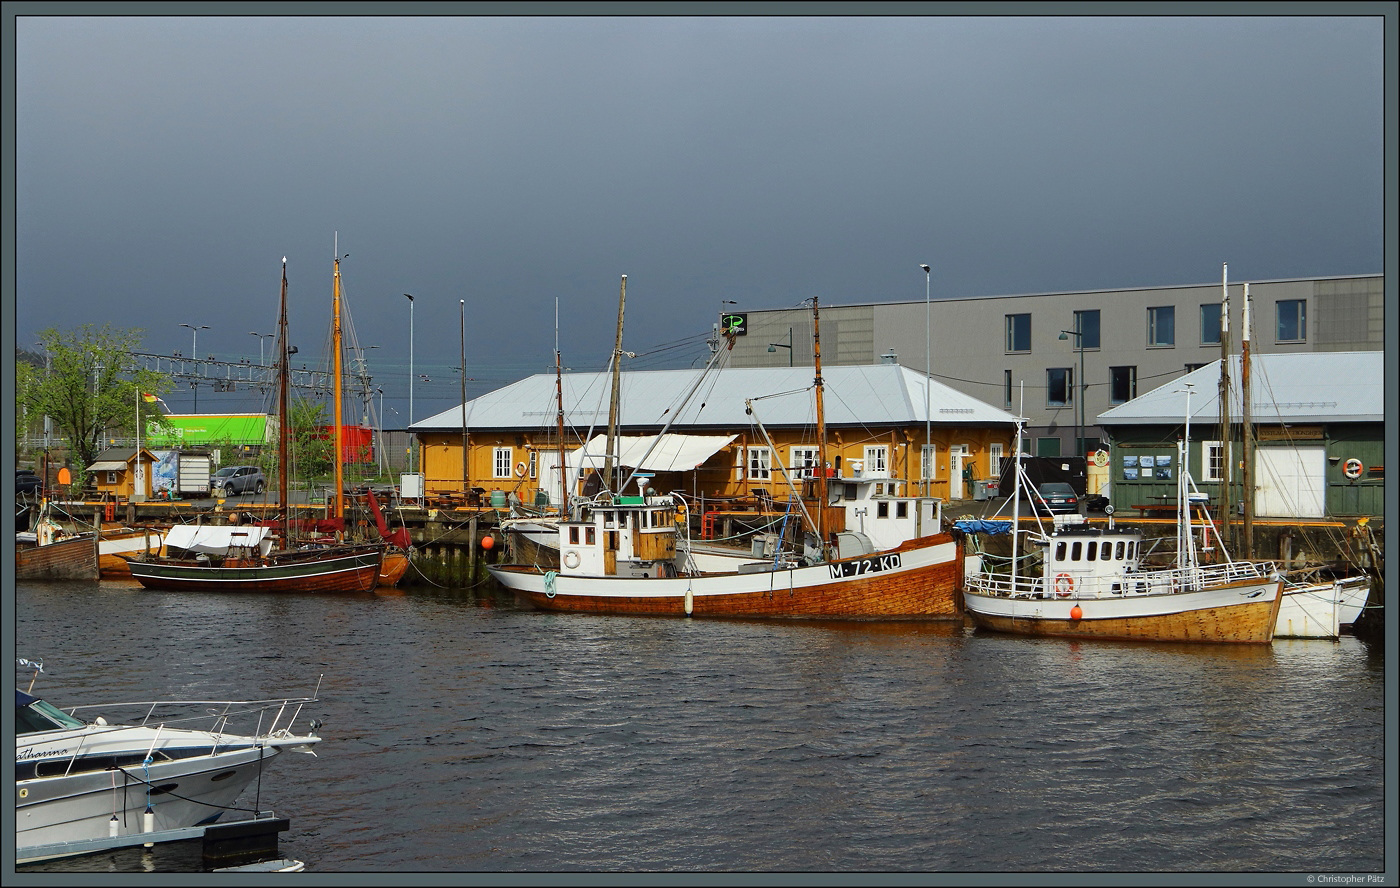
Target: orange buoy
(487, 542)
(1075, 613)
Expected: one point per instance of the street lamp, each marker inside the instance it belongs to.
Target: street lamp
(410, 382)
(925, 458)
(1078, 344)
(774, 346)
(194, 353)
(261, 336)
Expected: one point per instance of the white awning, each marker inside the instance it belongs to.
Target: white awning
(674, 453)
(215, 540)
(111, 465)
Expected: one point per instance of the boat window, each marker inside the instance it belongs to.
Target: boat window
(1093, 553)
(590, 535)
(1132, 550)
(573, 536)
(1120, 550)
(882, 510)
(1060, 551)
(1107, 552)
(901, 510)
(1075, 550)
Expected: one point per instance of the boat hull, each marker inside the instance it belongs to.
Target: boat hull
(918, 580)
(352, 570)
(189, 792)
(71, 559)
(1322, 609)
(1242, 612)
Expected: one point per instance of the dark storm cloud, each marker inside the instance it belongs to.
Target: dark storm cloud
(165, 165)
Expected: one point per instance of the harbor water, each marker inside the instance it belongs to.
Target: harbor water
(463, 733)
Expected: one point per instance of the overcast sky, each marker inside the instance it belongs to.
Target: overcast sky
(166, 165)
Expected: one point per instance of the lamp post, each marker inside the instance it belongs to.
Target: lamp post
(261, 336)
(410, 383)
(194, 353)
(774, 346)
(926, 462)
(1078, 344)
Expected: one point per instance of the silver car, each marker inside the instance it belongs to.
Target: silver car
(232, 480)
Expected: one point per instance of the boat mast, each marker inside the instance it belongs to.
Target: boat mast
(559, 398)
(336, 364)
(821, 428)
(283, 457)
(1247, 433)
(616, 392)
(1226, 475)
(1185, 542)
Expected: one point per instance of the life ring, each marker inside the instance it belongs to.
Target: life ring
(1352, 468)
(1064, 585)
(520, 470)
(571, 559)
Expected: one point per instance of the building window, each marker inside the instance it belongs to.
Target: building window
(1210, 323)
(804, 462)
(1006, 385)
(994, 460)
(1059, 386)
(500, 463)
(927, 455)
(534, 463)
(1292, 320)
(1047, 446)
(1018, 333)
(1193, 367)
(1087, 323)
(760, 464)
(1161, 326)
(876, 460)
(1212, 460)
(1122, 386)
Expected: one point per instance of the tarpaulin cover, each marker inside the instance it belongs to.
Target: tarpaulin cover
(977, 525)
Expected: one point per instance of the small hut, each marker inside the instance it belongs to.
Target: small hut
(114, 473)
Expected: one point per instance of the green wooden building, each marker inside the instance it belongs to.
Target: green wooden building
(1319, 424)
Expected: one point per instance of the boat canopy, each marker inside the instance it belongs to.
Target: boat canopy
(215, 540)
(674, 453)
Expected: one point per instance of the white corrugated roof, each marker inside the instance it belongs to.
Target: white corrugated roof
(673, 453)
(1299, 387)
(873, 394)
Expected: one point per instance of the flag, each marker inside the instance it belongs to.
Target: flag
(149, 399)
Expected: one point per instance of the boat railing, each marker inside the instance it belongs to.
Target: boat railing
(273, 716)
(1136, 582)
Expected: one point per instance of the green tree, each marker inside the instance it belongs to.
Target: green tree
(312, 449)
(89, 386)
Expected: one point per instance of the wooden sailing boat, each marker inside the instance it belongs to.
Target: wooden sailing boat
(1093, 583)
(619, 556)
(246, 564)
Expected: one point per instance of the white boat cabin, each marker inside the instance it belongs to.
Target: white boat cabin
(874, 507)
(635, 536)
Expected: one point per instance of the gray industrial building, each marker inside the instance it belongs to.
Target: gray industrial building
(1021, 352)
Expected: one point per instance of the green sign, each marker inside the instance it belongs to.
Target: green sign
(202, 429)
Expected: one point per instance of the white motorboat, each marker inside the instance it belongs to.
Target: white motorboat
(164, 765)
(1320, 610)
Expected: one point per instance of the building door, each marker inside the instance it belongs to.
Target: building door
(957, 457)
(1290, 481)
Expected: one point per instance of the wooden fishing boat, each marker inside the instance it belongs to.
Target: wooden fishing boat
(618, 555)
(246, 565)
(1093, 583)
(71, 558)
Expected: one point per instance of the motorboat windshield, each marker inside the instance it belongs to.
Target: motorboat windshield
(33, 715)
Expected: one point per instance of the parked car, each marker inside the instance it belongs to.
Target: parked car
(28, 482)
(233, 480)
(1056, 496)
